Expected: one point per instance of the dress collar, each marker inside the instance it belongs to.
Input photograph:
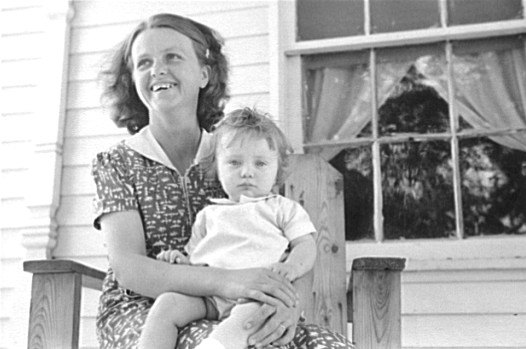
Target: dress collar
(145, 144)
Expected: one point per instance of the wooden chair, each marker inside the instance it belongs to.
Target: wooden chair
(374, 292)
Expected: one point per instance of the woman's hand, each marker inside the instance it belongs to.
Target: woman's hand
(279, 325)
(258, 284)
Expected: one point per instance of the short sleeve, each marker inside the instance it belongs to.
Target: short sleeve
(295, 221)
(114, 187)
(198, 232)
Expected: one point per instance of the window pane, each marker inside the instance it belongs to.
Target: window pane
(399, 15)
(337, 96)
(417, 190)
(490, 80)
(356, 167)
(329, 18)
(493, 188)
(481, 11)
(408, 103)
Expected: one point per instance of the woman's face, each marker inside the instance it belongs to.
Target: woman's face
(166, 71)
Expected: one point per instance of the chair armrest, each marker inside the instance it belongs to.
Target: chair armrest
(56, 291)
(375, 302)
(91, 277)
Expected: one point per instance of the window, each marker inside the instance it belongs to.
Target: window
(422, 107)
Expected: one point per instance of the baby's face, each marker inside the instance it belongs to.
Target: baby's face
(246, 166)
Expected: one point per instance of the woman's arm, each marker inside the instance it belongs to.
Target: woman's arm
(124, 237)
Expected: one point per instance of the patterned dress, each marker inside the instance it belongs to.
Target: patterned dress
(135, 175)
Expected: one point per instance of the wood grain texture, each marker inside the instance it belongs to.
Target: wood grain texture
(375, 263)
(376, 304)
(88, 276)
(56, 299)
(317, 186)
(54, 314)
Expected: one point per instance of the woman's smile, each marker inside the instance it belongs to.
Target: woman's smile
(163, 86)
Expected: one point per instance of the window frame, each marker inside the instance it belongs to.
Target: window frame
(290, 96)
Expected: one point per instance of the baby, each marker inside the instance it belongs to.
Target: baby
(252, 228)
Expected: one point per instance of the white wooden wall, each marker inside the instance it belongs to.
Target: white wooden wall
(458, 305)
(452, 304)
(21, 27)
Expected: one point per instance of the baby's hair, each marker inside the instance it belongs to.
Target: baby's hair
(254, 124)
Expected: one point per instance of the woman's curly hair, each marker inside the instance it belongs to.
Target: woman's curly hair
(119, 92)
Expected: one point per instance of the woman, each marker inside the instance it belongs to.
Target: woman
(167, 85)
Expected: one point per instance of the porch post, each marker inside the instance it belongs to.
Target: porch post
(39, 236)
(376, 302)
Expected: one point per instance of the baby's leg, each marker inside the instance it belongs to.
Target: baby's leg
(230, 332)
(169, 312)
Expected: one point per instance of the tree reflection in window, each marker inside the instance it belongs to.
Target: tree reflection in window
(493, 188)
(417, 177)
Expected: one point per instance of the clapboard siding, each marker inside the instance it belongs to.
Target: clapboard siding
(22, 46)
(15, 154)
(499, 297)
(242, 23)
(33, 14)
(76, 180)
(470, 330)
(10, 248)
(21, 72)
(92, 13)
(14, 121)
(81, 151)
(14, 182)
(464, 308)
(90, 122)
(70, 248)
(15, 215)
(15, 100)
(75, 211)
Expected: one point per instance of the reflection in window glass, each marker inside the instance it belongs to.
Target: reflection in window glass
(493, 188)
(329, 18)
(356, 168)
(417, 190)
(406, 95)
(337, 98)
(413, 108)
(490, 80)
(481, 11)
(399, 15)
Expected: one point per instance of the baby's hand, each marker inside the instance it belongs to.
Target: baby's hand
(173, 256)
(288, 271)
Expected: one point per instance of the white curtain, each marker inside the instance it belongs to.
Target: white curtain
(490, 90)
(341, 105)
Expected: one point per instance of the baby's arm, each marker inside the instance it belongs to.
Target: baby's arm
(300, 260)
(173, 256)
